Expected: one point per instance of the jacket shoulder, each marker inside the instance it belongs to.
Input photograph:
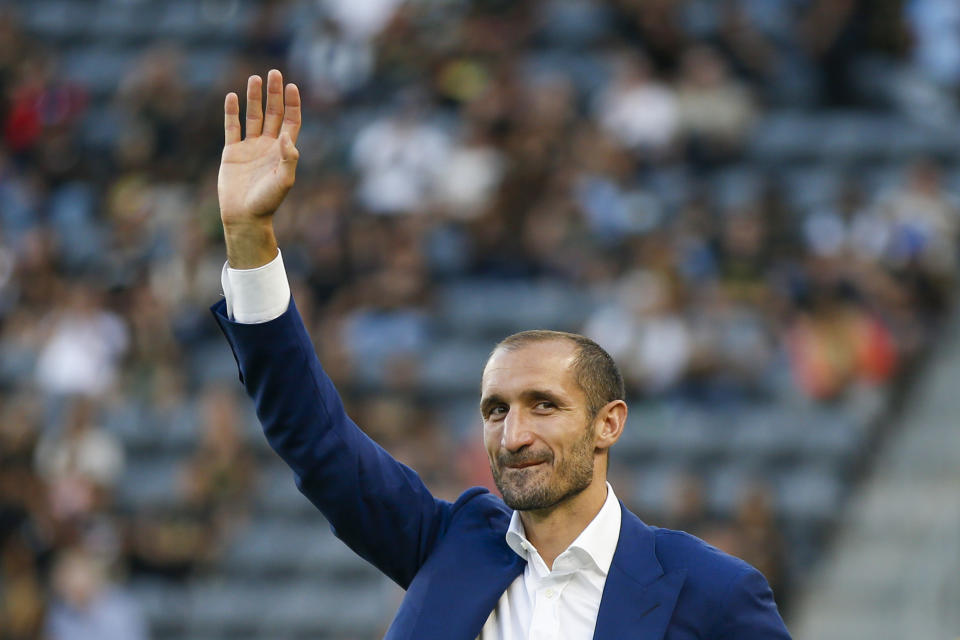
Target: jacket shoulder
(710, 571)
(732, 599)
(478, 506)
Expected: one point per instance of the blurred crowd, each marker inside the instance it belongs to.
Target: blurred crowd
(491, 139)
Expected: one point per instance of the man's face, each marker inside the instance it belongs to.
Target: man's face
(536, 426)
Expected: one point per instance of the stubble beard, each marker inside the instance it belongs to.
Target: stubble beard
(536, 488)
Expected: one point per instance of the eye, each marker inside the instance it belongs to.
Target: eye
(496, 411)
(545, 405)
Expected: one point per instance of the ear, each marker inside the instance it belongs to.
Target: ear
(609, 423)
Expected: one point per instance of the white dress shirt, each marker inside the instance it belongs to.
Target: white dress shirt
(543, 603)
(560, 602)
(254, 296)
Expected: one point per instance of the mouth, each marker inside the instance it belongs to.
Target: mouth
(524, 465)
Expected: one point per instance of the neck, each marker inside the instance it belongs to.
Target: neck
(552, 530)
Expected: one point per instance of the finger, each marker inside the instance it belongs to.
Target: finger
(273, 117)
(254, 106)
(231, 118)
(291, 112)
(288, 160)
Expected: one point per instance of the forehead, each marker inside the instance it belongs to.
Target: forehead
(533, 365)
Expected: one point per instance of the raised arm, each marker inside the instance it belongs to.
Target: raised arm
(257, 171)
(378, 506)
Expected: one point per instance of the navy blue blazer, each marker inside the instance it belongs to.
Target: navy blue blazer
(452, 558)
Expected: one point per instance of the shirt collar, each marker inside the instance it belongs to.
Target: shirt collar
(597, 542)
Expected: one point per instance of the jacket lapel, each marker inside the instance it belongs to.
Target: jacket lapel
(638, 597)
(455, 609)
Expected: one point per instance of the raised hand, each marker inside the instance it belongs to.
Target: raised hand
(257, 172)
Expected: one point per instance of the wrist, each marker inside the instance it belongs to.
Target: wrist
(250, 244)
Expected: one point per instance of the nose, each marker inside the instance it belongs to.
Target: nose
(516, 432)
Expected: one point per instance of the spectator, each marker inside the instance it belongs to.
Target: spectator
(470, 176)
(686, 507)
(833, 32)
(88, 604)
(760, 541)
(936, 38)
(331, 64)
(185, 535)
(715, 111)
(362, 20)
(23, 523)
(847, 228)
(743, 255)
(925, 222)
(384, 335)
(85, 342)
(219, 478)
(80, 463)
(637, 110)
(42, 105)
(644, 332)
(837, 344)
(22, 601)
(399, 158)
(734, 347)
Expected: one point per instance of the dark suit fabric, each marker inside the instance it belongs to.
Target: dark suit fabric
(452, 558)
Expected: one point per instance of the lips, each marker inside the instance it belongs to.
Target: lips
(525, 465)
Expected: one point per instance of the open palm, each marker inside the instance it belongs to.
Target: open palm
(257, 172)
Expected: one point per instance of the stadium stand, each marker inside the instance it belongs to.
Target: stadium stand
(893, 572)
(749, 203)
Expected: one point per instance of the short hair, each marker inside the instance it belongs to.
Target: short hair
(594, 369)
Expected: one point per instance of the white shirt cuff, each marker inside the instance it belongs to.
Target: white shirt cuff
(256, 295)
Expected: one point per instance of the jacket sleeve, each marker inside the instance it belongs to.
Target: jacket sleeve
(750, 612)
(375, 504)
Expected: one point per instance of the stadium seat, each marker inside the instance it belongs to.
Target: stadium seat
(493, 307)
(572, 24)
(652, 487)
(122, 22)
(808, 187)
(812, 494)
(454, 367)
(56, 18)
(278, 494)
(308, 608)
(97, 69)
(149, 482)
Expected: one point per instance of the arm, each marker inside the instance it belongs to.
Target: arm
(378, 506)
(374, 503)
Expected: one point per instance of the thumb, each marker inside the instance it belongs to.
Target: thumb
(288, 160)
(288, 152)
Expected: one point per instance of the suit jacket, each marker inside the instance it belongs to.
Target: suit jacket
(452, 558)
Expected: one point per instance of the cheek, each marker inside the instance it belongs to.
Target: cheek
(576, 441)
(491, 438)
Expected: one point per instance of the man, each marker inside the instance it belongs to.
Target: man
(559, 556)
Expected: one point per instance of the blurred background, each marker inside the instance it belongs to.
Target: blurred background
(750, 203)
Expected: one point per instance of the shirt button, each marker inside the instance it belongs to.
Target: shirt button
(550, 593)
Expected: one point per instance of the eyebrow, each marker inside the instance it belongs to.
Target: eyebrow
(486, 404)
(529, 395)
(542, 394)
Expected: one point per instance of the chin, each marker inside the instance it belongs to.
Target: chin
(528, 503)
(534, 498)
(524, 498)
(538, 496)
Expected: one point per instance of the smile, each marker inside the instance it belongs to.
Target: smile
(524, 465)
